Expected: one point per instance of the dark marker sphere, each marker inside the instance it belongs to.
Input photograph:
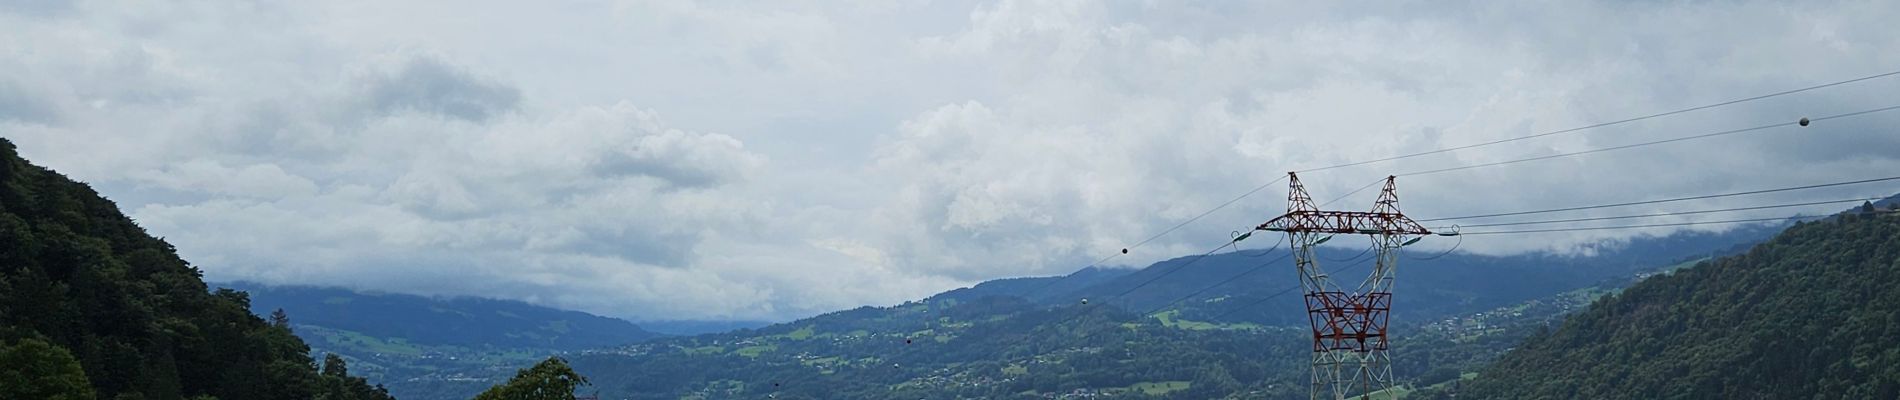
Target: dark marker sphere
(1804, 121)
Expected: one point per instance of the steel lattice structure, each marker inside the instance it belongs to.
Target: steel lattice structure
(1349, 328)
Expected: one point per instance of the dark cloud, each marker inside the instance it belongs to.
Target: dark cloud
(683, 162)
(428, 85)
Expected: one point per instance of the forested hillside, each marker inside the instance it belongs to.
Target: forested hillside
(99, 309)
(1810, 314)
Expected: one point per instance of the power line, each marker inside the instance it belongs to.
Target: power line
(1354, 256)
(1224, 282)
(1263, 186)
(1289, 289)
(1165, 274)
(1230, 279)
(1665, 214)
(1282, 292)
(1256, 189)
(1171, 229)
(1235, 277)
(1732, 221)
(1196, 293)
(1361, 262)
(1622, 121)
(1627, 146)
(1276, 180)
(1236, 240)
(1751, 192)
(1353, 192)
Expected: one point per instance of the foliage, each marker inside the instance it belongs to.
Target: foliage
(78, 274)
(337, 384)
(1811, 314)
(551, 379)
(39, 370)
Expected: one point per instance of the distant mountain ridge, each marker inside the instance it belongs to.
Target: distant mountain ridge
(435, 348)
(461, 321)
(691, 327)
(1044, 288)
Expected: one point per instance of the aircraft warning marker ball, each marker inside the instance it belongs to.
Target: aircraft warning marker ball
(1804, 121)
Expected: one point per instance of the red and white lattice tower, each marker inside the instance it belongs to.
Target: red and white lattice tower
(1349, 327)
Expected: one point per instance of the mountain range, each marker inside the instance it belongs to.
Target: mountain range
(444, 348)
(1148, 332)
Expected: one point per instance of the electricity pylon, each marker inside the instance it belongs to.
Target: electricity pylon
(1349, 328)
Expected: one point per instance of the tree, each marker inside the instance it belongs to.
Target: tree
(339, 385)
(552, 379)
(334, 366)
(39, 370)
(280, 319)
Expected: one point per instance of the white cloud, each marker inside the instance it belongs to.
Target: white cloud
(207, 176)
(736, 159)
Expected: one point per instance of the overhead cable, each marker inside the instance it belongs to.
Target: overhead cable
(1712, 196)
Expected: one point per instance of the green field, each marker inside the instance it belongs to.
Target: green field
(755, 351)
(801, 333)
(1159, 388)
(707, 350)
(1169, 319)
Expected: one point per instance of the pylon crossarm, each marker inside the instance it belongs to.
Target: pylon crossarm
(1345, 222)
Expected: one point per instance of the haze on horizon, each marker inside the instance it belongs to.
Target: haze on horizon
(744, 160)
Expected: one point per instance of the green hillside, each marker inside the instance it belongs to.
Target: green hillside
(96, 308)
(1810, 314)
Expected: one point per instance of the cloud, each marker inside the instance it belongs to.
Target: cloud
(428, 85)
(39, 8)
(745, 160)
(255, 181)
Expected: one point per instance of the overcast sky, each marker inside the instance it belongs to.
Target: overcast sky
(697, 160)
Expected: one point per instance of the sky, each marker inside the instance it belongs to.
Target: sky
(774, 160)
